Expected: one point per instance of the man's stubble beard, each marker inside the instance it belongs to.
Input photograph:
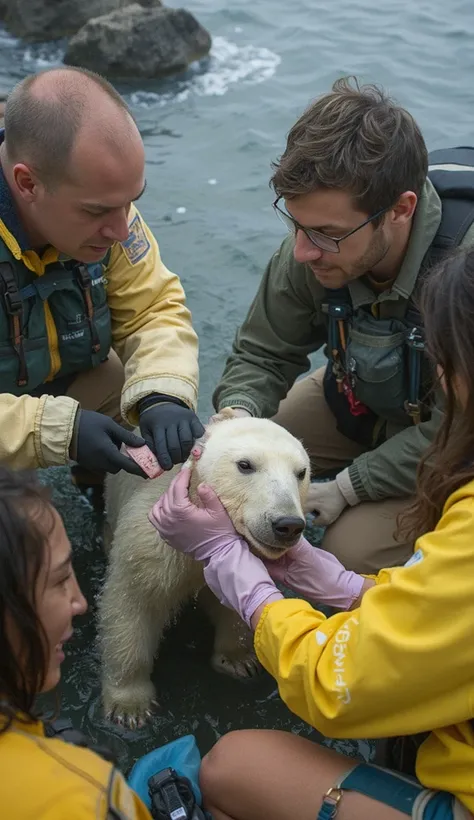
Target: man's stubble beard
(372, 257)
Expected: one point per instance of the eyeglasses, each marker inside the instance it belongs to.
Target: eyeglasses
(321, 240)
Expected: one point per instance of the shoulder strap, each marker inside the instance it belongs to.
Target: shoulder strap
(451, 170)
(62, 729)
(14, 311)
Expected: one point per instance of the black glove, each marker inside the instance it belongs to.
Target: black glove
(97, 444)
(170, 430)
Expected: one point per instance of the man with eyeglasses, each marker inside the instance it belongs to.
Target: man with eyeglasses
(367, 219)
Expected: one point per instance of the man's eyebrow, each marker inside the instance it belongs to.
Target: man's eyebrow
(63, 564)
(321, 228)
(329, 229)
(100, 207)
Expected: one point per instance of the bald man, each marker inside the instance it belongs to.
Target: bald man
(95, 335)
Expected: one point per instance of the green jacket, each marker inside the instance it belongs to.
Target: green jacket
(286, 323)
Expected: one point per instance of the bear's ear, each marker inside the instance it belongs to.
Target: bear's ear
(223, 415)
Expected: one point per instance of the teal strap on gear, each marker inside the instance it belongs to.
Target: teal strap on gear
(330, 804)
(389, 788)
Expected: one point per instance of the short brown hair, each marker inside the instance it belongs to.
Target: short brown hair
(355, 138)
(42, 131)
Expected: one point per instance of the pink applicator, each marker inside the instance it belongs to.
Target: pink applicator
(146, 459)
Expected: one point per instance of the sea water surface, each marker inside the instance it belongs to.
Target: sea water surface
(210, 138)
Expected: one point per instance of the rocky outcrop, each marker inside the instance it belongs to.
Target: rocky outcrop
(39, 20)
(139, 42)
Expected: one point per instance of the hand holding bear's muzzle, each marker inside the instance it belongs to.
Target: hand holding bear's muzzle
(195, 531)
(236, 577)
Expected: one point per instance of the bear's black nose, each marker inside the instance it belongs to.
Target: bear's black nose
(288, 527)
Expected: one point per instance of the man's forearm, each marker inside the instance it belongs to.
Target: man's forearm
(390, 470)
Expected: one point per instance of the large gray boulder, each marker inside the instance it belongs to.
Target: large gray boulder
(139, 42)
(39, 20)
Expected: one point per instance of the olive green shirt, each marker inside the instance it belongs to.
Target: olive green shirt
(286, 323)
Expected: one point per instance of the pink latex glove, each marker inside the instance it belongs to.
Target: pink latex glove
(317, 575)
(195, 531)
(236, 577)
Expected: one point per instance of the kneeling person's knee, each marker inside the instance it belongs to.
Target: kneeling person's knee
(218, 764)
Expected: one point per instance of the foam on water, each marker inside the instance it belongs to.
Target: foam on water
(227, 65)
(43, 56)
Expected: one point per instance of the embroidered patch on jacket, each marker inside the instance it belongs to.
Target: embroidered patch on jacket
(137, 244)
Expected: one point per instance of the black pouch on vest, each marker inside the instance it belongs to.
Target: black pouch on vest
(172, 797)
(364, 429)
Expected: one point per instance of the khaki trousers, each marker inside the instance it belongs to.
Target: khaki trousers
(100, 389)
(363, 536)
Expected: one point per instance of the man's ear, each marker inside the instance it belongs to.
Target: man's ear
(404, 208)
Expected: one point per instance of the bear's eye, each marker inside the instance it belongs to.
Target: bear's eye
(245, 466)
(301, 475)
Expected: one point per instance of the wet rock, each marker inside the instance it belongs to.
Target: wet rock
(38, 20)
(139, 42)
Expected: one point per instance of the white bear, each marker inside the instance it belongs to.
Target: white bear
(261, 474)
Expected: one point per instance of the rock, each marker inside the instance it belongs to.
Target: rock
(139, 42)
(39, 20)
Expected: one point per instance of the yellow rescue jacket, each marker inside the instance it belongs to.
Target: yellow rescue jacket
(48, 779)
(402, 663)
(151, 332)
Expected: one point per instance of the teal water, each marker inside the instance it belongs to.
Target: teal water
(210, 137)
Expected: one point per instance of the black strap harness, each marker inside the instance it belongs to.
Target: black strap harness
(14, 298)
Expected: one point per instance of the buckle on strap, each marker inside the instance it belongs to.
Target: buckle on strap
(14, 309)
(330, 804)
(165, 797)
(11, 293)
(13, 302)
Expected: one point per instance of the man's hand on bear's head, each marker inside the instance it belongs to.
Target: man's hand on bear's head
(170, 431)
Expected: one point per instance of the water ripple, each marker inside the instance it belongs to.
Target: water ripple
(227, 65)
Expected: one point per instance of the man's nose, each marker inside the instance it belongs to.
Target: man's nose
(117, 228)
(306, 251)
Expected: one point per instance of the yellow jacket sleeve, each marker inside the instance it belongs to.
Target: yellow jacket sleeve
(151, 325)
(35, 432)
(401, 663)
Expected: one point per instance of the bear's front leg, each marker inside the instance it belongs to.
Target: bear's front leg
(130, 628)
(233, 652)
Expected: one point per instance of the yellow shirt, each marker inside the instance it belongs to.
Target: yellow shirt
(48, 779)
(400, 664)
